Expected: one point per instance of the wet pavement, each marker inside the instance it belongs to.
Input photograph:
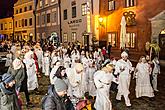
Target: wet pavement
(137, 104)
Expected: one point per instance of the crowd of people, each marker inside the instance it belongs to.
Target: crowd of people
(75, 75)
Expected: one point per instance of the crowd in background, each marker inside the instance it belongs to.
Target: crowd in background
(76, 73)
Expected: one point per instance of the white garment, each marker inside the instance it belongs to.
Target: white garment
(52, 74)
(90, 78)
(123, 68)
(54, 60)
(102, 81)
(67, 62)
(32, 82)
(9, 59)
(46, 66)
(76, 83)
(39, 54)
(143, 86)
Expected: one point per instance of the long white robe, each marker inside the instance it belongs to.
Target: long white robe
(76, 83)
(46, 66)
(123, 68)
(90, 78)
(39, 54)
(9, 57)
(32, 81)
(143, 86)
(102, 81)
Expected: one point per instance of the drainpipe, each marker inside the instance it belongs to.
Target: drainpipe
(59, 4)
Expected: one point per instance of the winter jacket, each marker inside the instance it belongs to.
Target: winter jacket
(52, 101)
(8, 100)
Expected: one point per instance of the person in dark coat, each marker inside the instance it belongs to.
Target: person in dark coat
(109, 49)
(8, 96)
(54, 98)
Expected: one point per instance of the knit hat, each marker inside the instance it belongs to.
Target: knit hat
(60, 85)
(7, 78)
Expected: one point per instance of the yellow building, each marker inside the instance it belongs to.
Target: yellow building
(6, 28)
(24, 20)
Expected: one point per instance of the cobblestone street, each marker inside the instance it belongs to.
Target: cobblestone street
(137, 104)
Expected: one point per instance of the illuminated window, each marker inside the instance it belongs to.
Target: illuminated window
(74, 12)
(46, 2)
(84, 9)
(65, 37)
(129, 3)
(5, 26)
(48, 18)
(54, 16)
(10, 25)
(112, 38)
(40, 3)
(111, 5)
(130, 40)
(73, 36)
(30, 22)
(65, 14)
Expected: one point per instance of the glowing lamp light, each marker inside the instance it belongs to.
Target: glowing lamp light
(100, 19)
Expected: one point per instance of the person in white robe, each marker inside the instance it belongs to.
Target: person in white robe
(9, 59)
(39, 54)
(54, 58)
(53, 71)
(32, 81)
(46, 64)
(102, 80)
(155, 72)
(90, 78)
(67, 61)
(123, 68)
(142, 75)
(75, 77)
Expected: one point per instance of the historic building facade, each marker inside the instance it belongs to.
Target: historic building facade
(24, 20)
(47, 18)
(78, 19)
(6, 28)
(144, 22)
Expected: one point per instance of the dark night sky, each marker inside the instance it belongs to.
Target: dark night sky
(6, 8)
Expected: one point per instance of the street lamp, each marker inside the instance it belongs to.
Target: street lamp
(100, 20)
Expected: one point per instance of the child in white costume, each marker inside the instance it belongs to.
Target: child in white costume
(102, 80)
(46, 64)
(142, 75)
(90, 78)
(155, 72)
(9, 59)
(32, 81)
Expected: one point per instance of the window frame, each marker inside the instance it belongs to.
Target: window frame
(130, 3)
(113, 2)
(47, 18)
(65, 17)
(65, 37)
(30, 21)
(74, 12)
(111, 40)
(84, 9)
(25, 9)
(132, 40)
(73, 36)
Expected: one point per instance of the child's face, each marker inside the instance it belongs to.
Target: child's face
(10, 84)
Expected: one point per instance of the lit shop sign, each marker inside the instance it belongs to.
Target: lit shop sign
(75, 21)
